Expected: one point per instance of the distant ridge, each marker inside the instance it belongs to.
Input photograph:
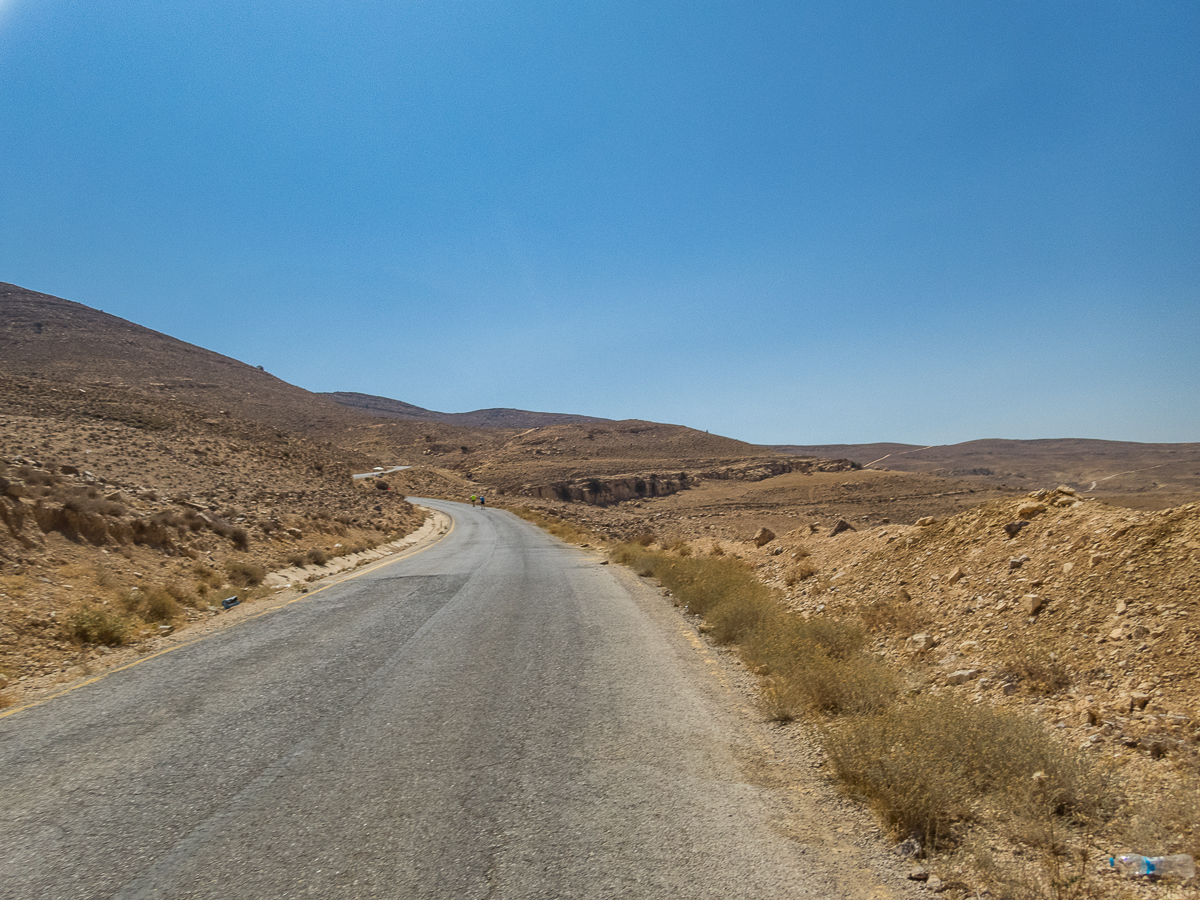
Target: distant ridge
(1090, 466)
(480, 418)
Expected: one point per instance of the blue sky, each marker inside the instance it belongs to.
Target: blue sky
(786, 222)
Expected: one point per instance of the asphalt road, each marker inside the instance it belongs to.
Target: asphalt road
(498, 716)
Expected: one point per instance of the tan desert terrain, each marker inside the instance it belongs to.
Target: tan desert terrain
(124, 481)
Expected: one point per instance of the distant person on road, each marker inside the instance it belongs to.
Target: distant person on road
(473, 499)
(482, 500)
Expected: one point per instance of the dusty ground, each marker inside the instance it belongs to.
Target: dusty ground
(1087, 617)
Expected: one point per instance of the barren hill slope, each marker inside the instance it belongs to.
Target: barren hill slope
(52, 339)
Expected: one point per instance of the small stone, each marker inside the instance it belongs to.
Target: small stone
(1034, 604)
(842, 525)
(962, 676)
(925, 520)
(955, 575)
(922, 642)
(1012, 529)
(1138, 700)
(763, 537)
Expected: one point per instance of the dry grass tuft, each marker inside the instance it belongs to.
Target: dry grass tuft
(1036, 670)
(94, 624)
(932, 764)
(245, 574)
(895, 617)
(818, 666)
(560, 528)
(153, 603)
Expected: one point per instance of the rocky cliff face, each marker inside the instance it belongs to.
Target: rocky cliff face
(610, 489)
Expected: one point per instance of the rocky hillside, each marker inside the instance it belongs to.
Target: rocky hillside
(152, 510)
(51, 340)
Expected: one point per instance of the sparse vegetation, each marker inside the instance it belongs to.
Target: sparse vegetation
(1036, 670)
(154, 603)
(95, 624)
(932, 764)
(893, 616)
(560, 528)
(244, 574)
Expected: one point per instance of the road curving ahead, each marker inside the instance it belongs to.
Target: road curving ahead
(497, 716)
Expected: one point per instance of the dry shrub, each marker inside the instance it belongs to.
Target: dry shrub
(93, 624)
(153, 603)
(819, 666)
(317, 557)
(927, 765)
(299, 560)
(182, 595)
(800, 572)
(895, 617)
(240, 538)
(822, 685)
(645, 539)
(1036, 670)
(246, 574)
(207, 576)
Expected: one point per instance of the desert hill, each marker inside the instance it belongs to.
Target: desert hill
(56, 340)
(480, 418)
(1144, 476)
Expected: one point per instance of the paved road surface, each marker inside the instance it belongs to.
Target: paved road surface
(494, 717)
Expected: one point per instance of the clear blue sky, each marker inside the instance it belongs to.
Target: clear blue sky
(786, 222)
